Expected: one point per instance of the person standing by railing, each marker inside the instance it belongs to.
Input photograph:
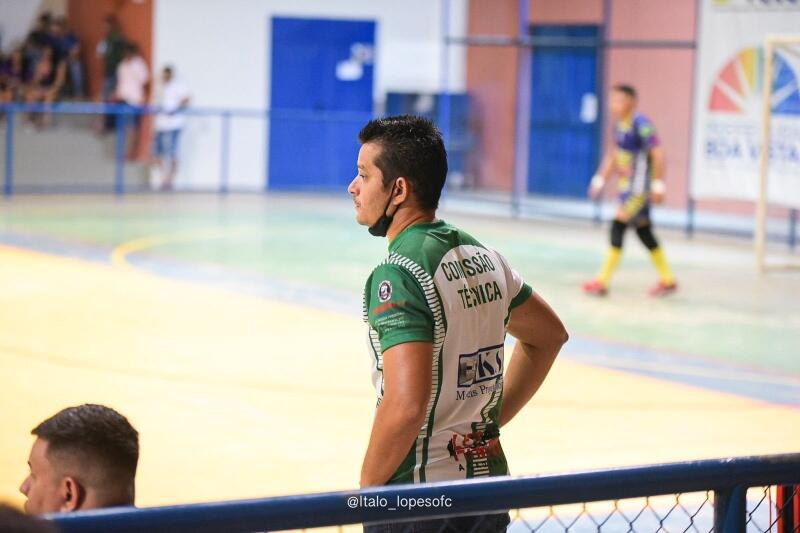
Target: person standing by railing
(133, 76)
(172, 98)
(438, 309)
(111, 49)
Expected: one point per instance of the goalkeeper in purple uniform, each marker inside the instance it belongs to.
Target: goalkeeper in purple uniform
(638, 162)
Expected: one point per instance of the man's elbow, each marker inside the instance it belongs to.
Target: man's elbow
(414, 415)
(558, 338)
(550, 340)
(408, 411)
(557, 341)
(563, 336)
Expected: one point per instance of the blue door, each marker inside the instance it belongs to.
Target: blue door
(565, 121)
(321, 95)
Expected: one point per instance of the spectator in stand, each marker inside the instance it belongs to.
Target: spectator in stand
(38, 39)
(67, 49)
(34, 45)
(111, 49)
(172, 98)
(45, 85)
(133, 76)
(40, 35)
(12, 74)
(84, 457)
(9, 77)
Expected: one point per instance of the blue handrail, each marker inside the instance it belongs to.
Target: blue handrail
(10, 110)
(125, 112)
(727, 477)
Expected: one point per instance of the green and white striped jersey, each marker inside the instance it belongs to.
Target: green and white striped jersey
(440, 285)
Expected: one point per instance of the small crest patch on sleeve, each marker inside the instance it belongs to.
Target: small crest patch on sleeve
(384, 291)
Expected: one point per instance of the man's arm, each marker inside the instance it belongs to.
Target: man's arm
(606, 165)
(540, 335)
(407, 371)
(657, 160)
(603, 174)
(58, 83)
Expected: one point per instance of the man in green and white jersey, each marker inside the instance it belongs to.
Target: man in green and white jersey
(438, 309)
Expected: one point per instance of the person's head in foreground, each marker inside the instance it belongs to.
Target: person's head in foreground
(402, 166)
(13, 521)
(622, 101)
(83, 458)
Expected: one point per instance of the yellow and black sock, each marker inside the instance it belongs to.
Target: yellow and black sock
(656, 254)
(660, 262)
(609, 265)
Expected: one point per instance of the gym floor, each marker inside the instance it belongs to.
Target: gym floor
(228, 330)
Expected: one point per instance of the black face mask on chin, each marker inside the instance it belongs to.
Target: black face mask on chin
(381, 226)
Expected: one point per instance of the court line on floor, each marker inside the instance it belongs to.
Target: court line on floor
(674, 367)
(763, 386)
(713, 373)
(189, 379)
(121, 253)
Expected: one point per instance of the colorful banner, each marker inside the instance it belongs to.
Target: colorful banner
(728, 101)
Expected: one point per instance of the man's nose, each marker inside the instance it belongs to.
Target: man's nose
(352, 187)
(26, 485)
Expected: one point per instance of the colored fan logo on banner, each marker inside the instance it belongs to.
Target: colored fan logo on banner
(738, 86)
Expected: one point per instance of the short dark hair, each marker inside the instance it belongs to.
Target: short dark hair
(411, 147)
(96, 435)
(625, 89)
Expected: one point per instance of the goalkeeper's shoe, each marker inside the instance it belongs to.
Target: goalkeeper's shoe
(662, 289)
(595, 288)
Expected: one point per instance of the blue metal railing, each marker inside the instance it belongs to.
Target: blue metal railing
(10, 111)
(728, 478)
(125, 112)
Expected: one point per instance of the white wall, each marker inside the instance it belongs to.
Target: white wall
(18, 16)
(222, 51)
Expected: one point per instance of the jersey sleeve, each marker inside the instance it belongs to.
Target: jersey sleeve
(397, 307)
(518, 290)
(647, 134)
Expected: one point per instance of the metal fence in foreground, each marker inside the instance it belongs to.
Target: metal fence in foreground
(729, 495)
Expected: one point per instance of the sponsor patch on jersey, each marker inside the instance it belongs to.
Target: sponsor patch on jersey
(473, 445)
(385, 291)
(484, 365)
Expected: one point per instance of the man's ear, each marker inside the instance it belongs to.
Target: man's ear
(402, 191)
(72, 493)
